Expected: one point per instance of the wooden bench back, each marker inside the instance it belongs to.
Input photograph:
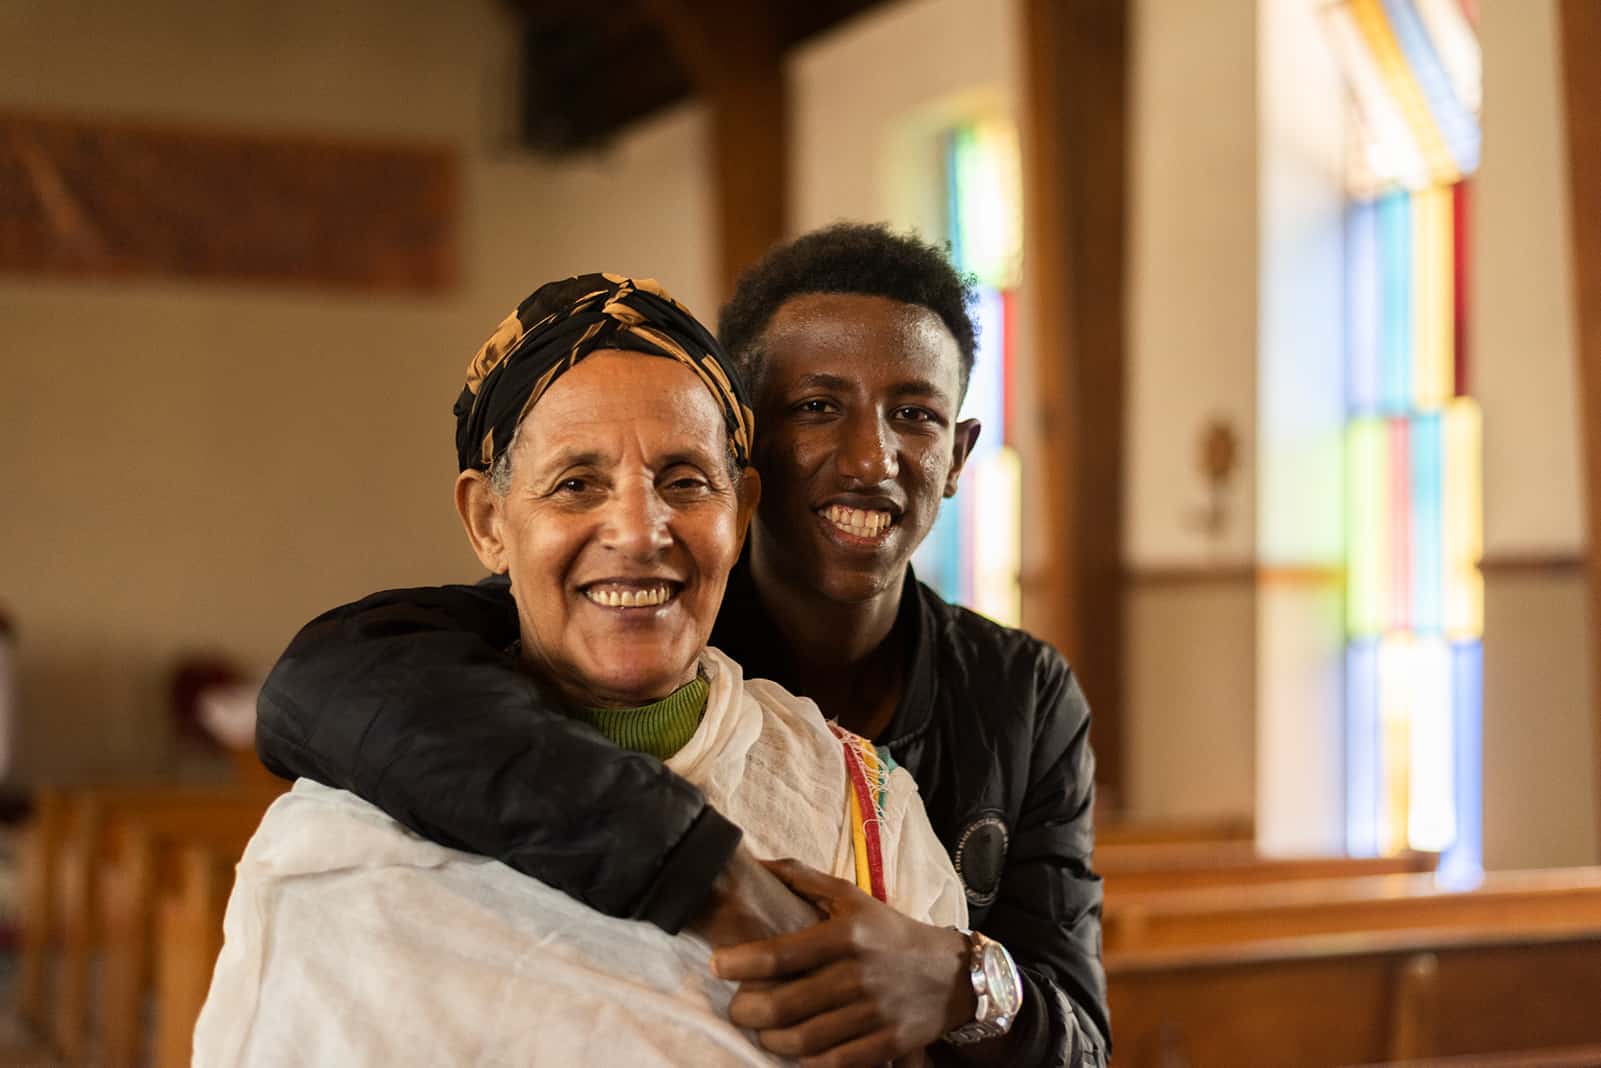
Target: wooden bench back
(75, 834)
(189, 932)
(1358, 999)
(1514, 902)
(1135, 871)
(147, 862)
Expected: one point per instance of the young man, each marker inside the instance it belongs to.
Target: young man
(856, 345)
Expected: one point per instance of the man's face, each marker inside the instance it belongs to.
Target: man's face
(857, 438)
(619, 528)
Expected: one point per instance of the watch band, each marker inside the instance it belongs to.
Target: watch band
(997, 986)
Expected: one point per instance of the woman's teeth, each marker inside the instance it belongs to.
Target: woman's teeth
(859, 522)
(617, 597)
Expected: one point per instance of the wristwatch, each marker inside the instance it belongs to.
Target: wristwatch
(997, 985)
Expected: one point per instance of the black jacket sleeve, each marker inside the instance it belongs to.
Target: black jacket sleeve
(1048, 912)
(408, 699)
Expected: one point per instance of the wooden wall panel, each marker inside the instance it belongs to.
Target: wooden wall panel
(91, 198)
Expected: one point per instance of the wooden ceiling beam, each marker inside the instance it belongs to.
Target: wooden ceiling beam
(1581, 76)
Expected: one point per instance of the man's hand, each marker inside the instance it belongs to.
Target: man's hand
(865, 986)
(748, 902)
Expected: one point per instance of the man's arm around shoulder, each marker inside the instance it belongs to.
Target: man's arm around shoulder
(410, 699)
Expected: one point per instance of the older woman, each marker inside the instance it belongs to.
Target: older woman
(613, 489)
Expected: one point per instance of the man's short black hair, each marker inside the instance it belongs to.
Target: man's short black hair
(859, 258)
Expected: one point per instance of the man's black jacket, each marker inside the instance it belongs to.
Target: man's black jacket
(409, 699)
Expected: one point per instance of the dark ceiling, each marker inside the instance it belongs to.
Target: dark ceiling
(591, 68)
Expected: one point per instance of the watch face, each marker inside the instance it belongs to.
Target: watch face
(1000, 976)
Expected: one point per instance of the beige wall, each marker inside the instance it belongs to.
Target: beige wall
(1192, 319)
(1300, 420)
(204, 466)
(1191, 358)
(1523, 332)
(1540, 774)
(1191, 682)
(1540, 778)
(869, 98)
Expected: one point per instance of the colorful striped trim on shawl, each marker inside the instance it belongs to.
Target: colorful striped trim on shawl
(868, 769)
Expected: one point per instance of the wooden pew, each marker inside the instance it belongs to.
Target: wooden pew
(144, 862)
(189, 932)
(1544, 1057)
(1358, 999)
(89, 841)
(1132, 871)
(41, 846)
(1519, 902)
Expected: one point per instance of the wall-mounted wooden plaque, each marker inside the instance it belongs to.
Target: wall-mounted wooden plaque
(113, 199)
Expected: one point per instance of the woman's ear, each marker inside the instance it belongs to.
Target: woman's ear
(750, 495)
(479, 509)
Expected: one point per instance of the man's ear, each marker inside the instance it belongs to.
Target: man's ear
(479, 509)
(964, 439)
(750, 495)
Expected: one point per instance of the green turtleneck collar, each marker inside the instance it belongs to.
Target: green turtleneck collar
(661, 728)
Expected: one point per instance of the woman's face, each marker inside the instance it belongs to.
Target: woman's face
(619, 528)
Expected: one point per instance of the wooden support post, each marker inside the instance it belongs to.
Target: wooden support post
(735, 57)
(1581, 44)
(1074, 134)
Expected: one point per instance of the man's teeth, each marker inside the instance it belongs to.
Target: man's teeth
(861, 522)
(615, 597)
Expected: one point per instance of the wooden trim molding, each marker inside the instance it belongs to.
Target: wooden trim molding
(1530, 565)
(1189, 576)
(1238, 573)
(1581, 78)
(1245, 573)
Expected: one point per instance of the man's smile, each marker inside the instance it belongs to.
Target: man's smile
(858, 522)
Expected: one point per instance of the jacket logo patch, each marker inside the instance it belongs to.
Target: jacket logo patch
(980, 857)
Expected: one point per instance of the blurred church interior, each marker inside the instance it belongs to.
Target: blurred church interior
(1290, 373)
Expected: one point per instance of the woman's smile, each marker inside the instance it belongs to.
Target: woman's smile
(631, 594)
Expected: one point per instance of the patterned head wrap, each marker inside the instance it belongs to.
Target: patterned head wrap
(562, 322)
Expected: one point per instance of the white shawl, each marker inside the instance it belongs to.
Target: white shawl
(351, 941)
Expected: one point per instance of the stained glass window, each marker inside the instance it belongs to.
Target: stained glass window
(1414, 510)
(973, 555)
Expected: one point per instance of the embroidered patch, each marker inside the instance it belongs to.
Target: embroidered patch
(980, 858)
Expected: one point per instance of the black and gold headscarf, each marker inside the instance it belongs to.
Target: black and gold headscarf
(562, 322)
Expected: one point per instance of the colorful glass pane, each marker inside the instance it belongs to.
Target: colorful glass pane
(1395, 302)
(1363, 747)
(1367, 521)
(973, 554)
(1462, 521)
(1414, 499)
